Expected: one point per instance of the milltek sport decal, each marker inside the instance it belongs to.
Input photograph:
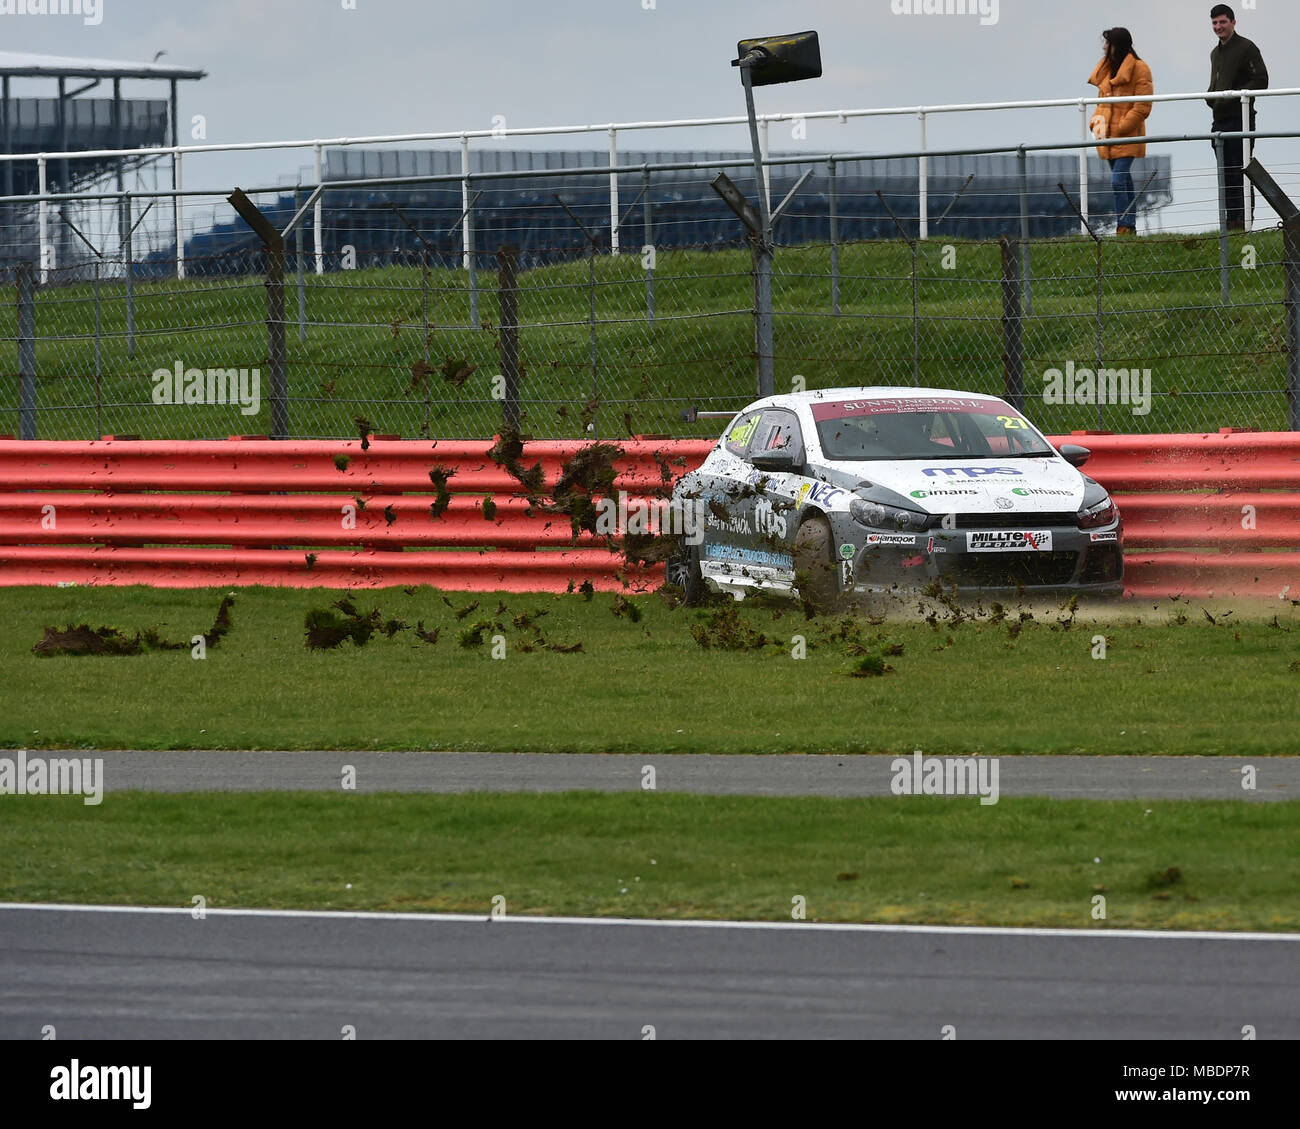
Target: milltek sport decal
(847, 409)
(1007, 541)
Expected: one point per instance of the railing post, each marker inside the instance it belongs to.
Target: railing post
(835, 240)
(649, 251)
(1248, 151)
(1026, 283)
(508, 293)
(466, 234)
(43, 223)
(318, 215)
(26, 351)
(923, 186)
(1013, 354)
(1083, 173)
(1225, 270)
(613, 191)
(178, 222)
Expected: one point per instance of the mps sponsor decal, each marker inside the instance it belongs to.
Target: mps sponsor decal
(969, 471)
(1008, 541)
(1112, 536)
(819, 493)
(891, 539)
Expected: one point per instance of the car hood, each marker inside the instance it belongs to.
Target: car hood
(1046, 485)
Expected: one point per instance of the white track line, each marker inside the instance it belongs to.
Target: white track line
(825, 927)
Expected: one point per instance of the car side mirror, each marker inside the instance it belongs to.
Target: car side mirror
(1075, 455)
(779, 461)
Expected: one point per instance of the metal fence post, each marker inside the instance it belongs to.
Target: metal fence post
(835, 240)
(1013, 353)
(273, 243)
(26, 351)
(128, 268)
(467, 245)
(300, 271)
(1291, 242)
(508, 293)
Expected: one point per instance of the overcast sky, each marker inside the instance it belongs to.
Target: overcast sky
(326, 68)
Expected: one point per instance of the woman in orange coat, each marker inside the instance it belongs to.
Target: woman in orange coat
(1121, 72)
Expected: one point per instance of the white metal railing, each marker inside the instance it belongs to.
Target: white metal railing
(613, 129)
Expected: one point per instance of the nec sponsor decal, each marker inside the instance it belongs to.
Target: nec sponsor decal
(969, 471)
(820, 494)
(1008, 541)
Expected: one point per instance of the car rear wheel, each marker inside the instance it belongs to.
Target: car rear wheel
(683, 571)
(816, 573)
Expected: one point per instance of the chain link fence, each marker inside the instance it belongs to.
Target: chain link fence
(1164, 333)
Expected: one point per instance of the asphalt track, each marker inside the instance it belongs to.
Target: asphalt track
(1060, 777)
(119, 974)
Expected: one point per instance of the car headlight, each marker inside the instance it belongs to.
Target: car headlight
(876, 515)
(1103, 513)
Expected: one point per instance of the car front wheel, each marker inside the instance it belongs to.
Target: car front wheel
(814, 568)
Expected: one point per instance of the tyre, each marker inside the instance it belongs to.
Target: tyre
(683, 571)
(816, 571)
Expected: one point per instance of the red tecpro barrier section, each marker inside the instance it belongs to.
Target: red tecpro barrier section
(1204, 514)
(307, 514)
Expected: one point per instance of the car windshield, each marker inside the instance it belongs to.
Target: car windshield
(933, 429)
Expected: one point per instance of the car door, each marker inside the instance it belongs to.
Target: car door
(771, 507)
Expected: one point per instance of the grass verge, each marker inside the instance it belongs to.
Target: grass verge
(644, 680)
(1167, 865)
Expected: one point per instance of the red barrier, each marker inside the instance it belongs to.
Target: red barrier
(123, 512)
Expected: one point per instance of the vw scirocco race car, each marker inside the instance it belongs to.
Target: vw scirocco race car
(869, 490)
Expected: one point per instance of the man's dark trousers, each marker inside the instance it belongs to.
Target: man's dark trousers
(1234, 161)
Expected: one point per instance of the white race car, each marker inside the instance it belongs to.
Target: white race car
(870, 490)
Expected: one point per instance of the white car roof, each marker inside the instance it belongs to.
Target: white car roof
(830, 395)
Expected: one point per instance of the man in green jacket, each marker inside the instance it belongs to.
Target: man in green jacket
(1235, 64)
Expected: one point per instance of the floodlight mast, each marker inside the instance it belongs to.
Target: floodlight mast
(784, 58)
(756, 57)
